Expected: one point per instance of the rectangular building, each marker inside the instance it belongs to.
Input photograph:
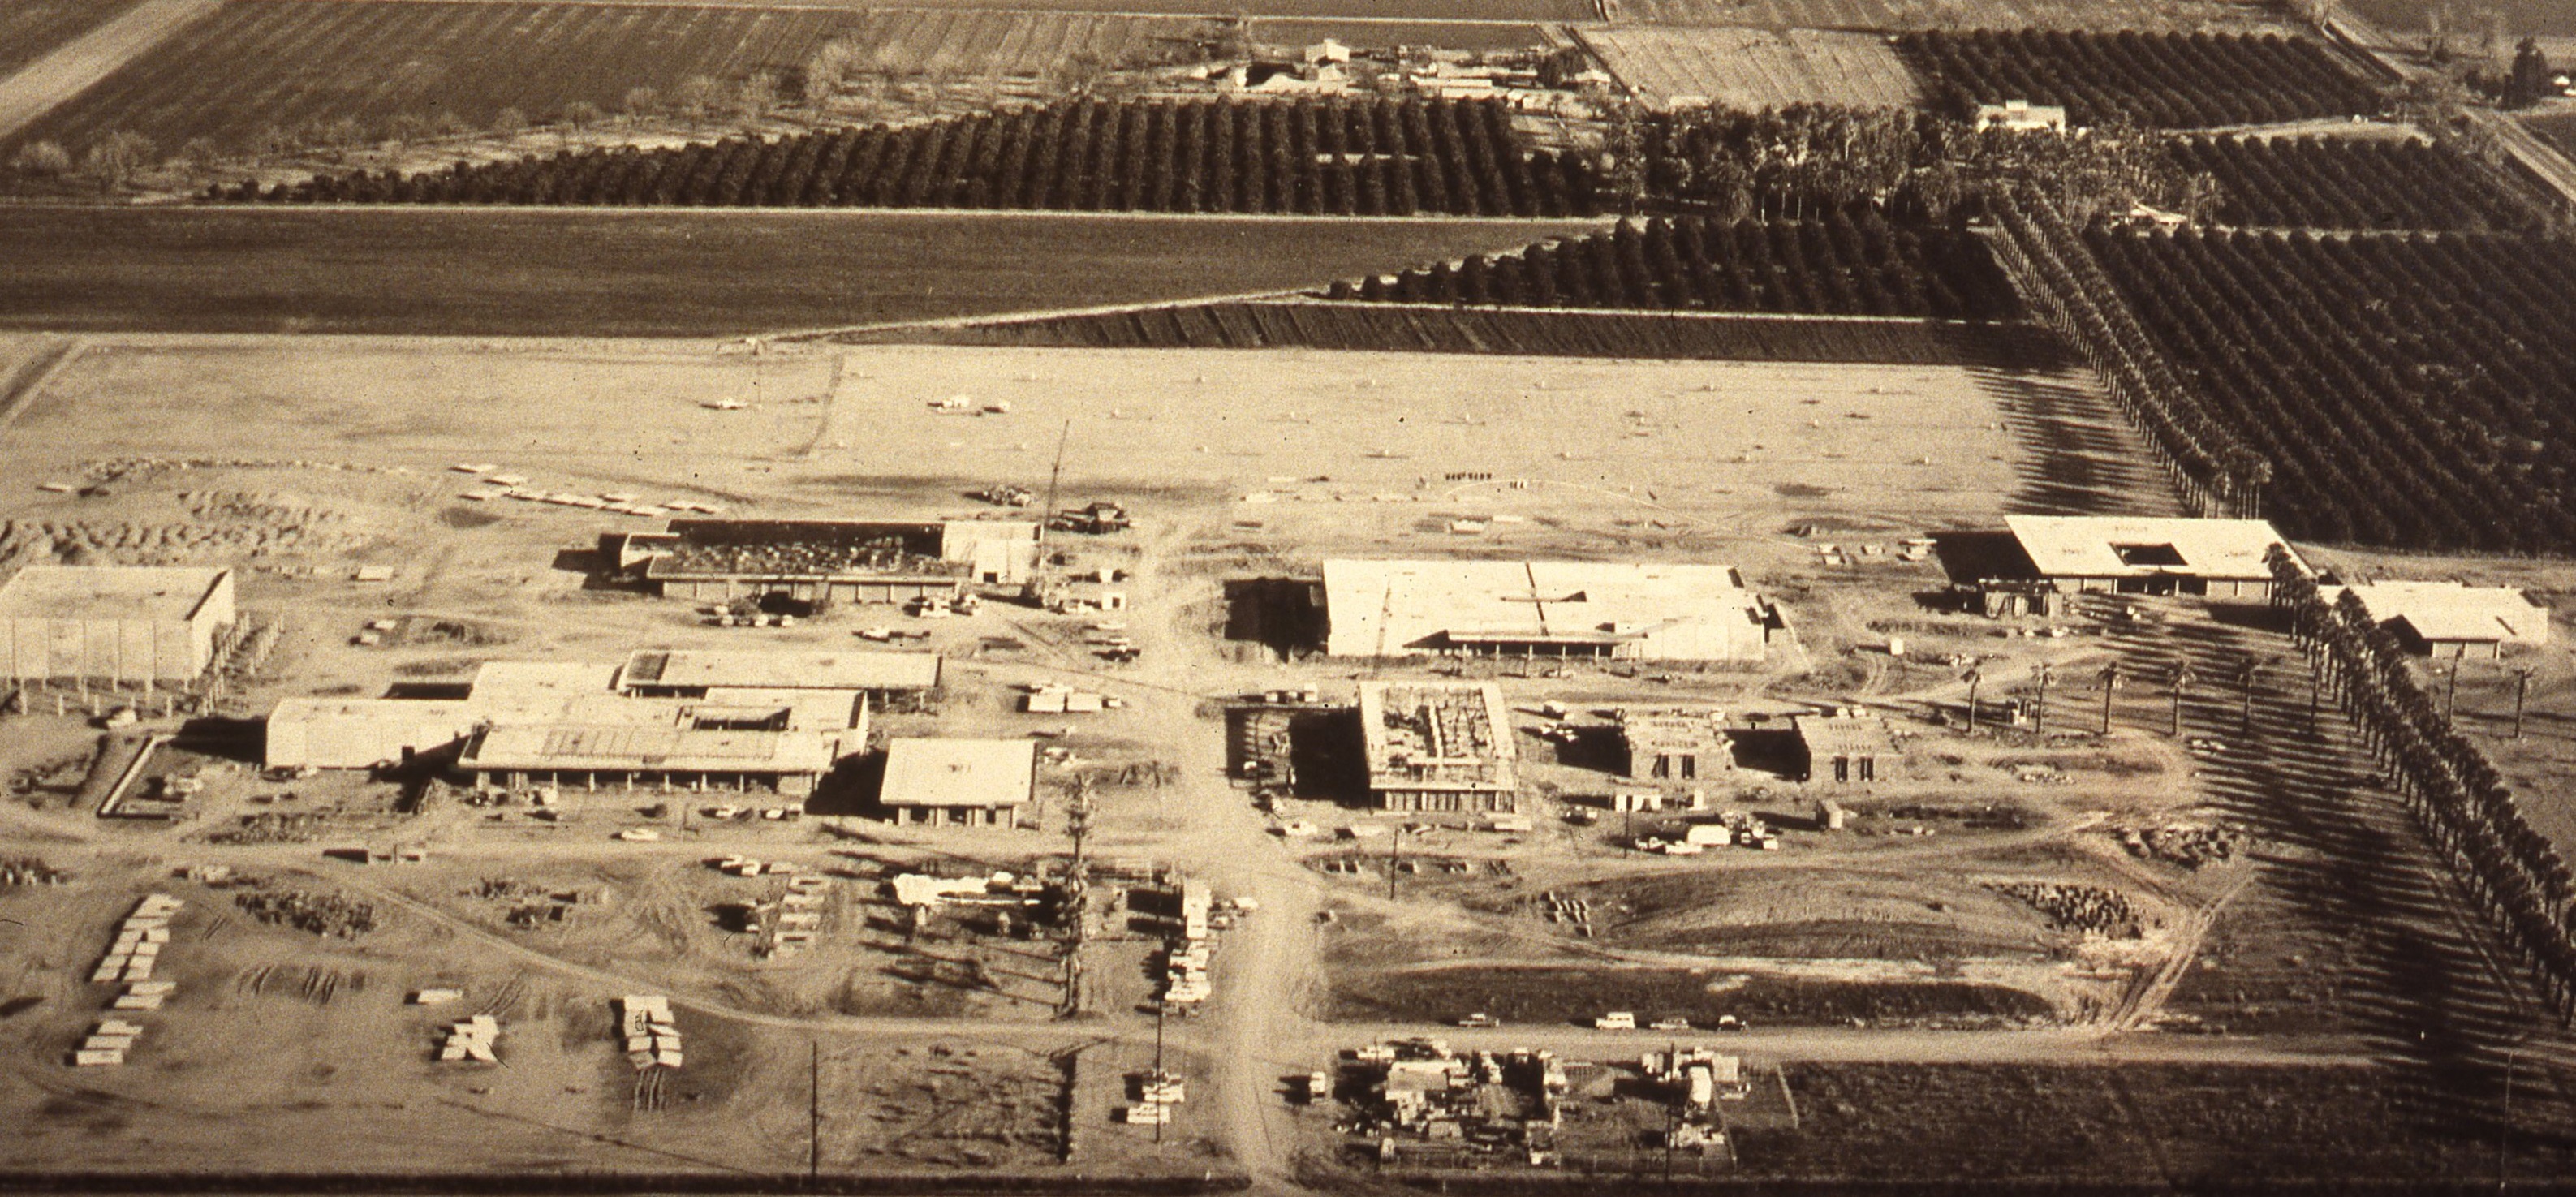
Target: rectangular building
(2148, 555)
(2449, 619)
(361, 733)
(116, 624)
(1676, 744)
(679, 755)
(1847, 749)
(840, 561)
(1659, 612)
(691, 673)
(973, 783)
(1439, 746)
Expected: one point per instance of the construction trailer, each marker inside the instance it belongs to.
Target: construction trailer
(1676, 743)
(1603, 610)
(817, 561)
(114, 624)
(1435, 746)
(965, 783)
(2118, 554)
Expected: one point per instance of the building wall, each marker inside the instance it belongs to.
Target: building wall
(1475, 801)
(355, 743)
(960, 816)
(724, 590)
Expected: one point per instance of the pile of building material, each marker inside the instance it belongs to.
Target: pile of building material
(1157, 1092)
(1486, 1102)
(107, 1044)
(144, 995)
(471, 1039)
(652, 1036)
(1185, 973)
(29, 870)
(1052, 699)
(800, 915)
(138, 941)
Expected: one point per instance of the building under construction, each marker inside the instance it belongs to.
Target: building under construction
(114, 624)
(814, 561)
(1435, 746)
(1676, 744)
(1621, 611)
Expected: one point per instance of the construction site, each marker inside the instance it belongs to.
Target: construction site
(1269, 769)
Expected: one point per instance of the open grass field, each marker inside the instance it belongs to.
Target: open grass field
(259, 64)
(2145, 15)
(1755, 68)
(642, 274)
(29, 28)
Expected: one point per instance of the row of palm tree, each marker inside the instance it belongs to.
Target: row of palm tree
(2514, 874)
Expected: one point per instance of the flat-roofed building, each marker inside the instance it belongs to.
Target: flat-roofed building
(686, 673)
(2148, 555)
(1676, 743)
(679, 755)
(841, 561)
(2450, 619)
(1626, 611)
(361, 733)
(974, 783)
(1439, 746)
(115, 624)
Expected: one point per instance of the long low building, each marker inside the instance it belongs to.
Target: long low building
(2148, 555)
(114, 624)
(840, 561)
(693, 672)
(1624, 611)
(2449, 619)
(1439, 746)
(680, 756)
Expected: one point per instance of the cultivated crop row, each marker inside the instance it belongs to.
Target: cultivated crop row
(2416, 391)
(1839, 265)
(1333, 157)
(2345, 183)
(2169, 81)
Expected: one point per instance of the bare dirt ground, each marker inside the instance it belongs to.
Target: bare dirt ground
(300, 460)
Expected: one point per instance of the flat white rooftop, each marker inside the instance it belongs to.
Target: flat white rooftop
(2113, 546)
(2451, 612)
(707, 669)
(1385, 607)
(103, 592)
(939, 772)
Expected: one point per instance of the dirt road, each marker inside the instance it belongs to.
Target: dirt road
(74, 68)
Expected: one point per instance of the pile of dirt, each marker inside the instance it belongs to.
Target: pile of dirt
(2090, 909)
(321, 914)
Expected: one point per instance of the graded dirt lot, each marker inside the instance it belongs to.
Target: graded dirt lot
(636, 274)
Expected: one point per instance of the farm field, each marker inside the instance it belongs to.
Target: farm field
(1835, 266)
(258, 64)
(2159, 81)
(1367, 157)
(2402, 18)
(2177, 16)
(1425, 328)
(1000, 43)
(2342, 360)
(644, 274)
(1755, 68)
(29, 28)
(2351, 183)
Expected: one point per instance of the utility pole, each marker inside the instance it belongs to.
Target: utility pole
(2182, 679)
(2110, 686)
(2039, 710)
(2451, 695)
(2246, 672)
(2521, 689)
(1394, 851)
(1973, 677)
(813, 1111)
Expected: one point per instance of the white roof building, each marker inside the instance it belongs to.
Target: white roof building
(2149, 555)
(115, 623)
(2449, 619)
(958, 781)
(1631, 611)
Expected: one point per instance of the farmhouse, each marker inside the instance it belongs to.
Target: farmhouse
(1672, 612)
(698, 673)
(1435, 746)
(841, 561)
(2022, 116)
(2146, 555)
(972, 783)
(1677, 744)
(1846, 748)
(115, 624)
(2448, 619)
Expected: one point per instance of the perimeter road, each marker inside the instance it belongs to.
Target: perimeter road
(49, 81)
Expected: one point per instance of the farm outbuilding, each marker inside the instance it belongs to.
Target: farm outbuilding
(2146, 555)
(840, 561)
(1676, 744)
(115, 624)
(1847, 749)
(1434, 746)
(2449, 619)
(972, 783)
(1623, 611)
